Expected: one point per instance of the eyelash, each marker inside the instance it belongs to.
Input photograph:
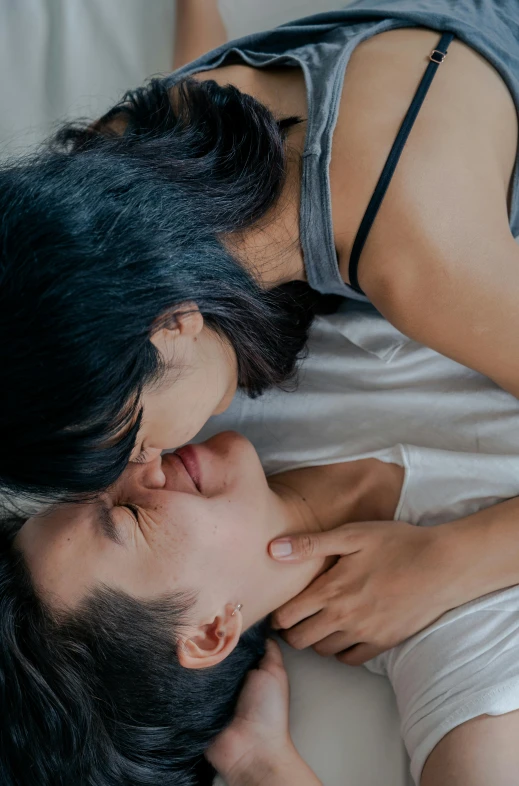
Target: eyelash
(141, 458)
(134, 511)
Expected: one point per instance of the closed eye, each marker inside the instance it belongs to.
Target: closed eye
(141, 458)
(134, 511)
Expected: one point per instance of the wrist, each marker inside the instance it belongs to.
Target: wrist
(460, 554)
(266, 769)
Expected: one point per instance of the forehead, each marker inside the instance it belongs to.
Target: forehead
(48, 526)
(59, 545)
(75, 548)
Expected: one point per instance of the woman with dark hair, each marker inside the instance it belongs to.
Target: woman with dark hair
(154, 260)
(127, 625)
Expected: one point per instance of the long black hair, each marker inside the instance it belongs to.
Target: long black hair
(101, 235)
(97, 697)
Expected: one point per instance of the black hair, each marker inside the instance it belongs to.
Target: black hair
(98, 697)
(102, 236)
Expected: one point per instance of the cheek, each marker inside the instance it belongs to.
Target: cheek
(238, 536)
(206, 543)
(186, 544)
(162, 425)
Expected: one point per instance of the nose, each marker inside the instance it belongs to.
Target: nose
(151, 474)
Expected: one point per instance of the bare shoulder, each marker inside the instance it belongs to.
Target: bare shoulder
(451, 183)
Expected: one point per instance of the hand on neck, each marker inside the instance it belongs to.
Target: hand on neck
(313, 500)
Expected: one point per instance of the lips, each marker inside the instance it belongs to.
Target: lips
(188, 457)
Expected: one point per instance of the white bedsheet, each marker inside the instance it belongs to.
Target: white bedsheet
(59, 58)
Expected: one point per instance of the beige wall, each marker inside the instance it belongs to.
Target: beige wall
(61, 58)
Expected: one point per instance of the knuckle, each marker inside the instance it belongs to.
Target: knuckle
(320, 649)
(338, 616)
(362, 633)
(307, 545)
(297, 643)
(279, 672)
(280, 618)
(349, 657)
(336, 589)
(293, 638)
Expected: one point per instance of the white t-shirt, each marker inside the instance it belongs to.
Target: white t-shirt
(364, 390)
(365, 386)
(442, 485)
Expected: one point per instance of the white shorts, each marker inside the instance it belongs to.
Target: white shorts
(463, 666)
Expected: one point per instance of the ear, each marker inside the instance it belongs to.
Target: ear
(185, 319)
(211, 643)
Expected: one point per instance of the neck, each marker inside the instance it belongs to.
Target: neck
(317, 499)
(271, 249)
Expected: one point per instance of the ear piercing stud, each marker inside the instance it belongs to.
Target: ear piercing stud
(239, 607)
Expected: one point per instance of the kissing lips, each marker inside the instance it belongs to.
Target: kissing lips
(188, 456)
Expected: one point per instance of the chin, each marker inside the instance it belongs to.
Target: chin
(226, 400)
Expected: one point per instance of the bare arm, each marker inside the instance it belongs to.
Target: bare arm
(440, 262)
(480, 751)
(364, 605)
(484, 549)
(198, 29)
(461, 301)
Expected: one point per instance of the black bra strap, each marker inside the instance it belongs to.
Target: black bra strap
(437, 57)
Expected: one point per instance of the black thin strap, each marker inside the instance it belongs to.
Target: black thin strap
(436, 58)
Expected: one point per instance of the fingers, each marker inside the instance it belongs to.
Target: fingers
(330, 588)
(273, 655)
(315, 633)
(359, 654)
(306, 604)
(296, 548)
(334, 644)
(310, 631)
(272, 661)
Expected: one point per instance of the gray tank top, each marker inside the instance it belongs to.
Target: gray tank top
(321, 46)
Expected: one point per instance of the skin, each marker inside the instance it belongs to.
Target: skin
(420, 222)
(207, 531)
(191, 38)
(427, 240)
(424, 230)
(439, 233)
(364, 605)
(477, 753)
(204, 385)
(209, 539)
(440, 262)
(257, 748)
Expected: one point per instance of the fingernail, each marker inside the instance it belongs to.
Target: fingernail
(281, 548)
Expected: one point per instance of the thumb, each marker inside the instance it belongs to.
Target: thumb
(296, 548)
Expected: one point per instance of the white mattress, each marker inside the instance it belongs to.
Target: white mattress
(59, 58)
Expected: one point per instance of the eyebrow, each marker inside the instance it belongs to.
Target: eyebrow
(105, 521)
